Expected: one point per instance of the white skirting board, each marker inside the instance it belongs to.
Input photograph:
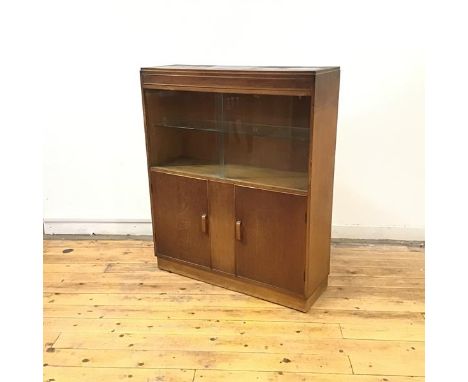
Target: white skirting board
(97, 227)
(143, 227)
(378, 233)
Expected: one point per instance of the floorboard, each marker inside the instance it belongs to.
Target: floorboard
(111, 315)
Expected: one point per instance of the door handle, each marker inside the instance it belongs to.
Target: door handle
(238, 230)
(204, 223)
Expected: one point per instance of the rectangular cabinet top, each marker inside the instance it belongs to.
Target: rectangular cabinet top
(274, 69)
(286, 80)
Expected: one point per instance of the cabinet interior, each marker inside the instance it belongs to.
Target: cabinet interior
(261, 140)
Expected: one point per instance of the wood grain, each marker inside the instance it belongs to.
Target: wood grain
(71, 374)
(179, 203)
(367, 326)
(264, 376)
(221, 206)
(261, 177)
(321, 169)
(272, 249)
(266, 80)
(198, 360)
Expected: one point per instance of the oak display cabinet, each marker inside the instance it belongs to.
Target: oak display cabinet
(240, 163)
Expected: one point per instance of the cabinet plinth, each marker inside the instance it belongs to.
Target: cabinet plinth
(240, 164)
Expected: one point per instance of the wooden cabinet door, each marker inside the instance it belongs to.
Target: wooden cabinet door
(180, 213)
(271, 237)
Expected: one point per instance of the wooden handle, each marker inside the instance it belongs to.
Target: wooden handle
(238, 230)
(204, 221)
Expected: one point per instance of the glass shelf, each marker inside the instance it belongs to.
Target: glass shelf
(242, 128)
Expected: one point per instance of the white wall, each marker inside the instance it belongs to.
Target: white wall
(94, 156)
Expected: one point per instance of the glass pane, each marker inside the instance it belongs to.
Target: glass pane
(248, 138)
(184, 131)
(266, 139)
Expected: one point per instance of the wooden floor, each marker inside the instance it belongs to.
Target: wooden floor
(111, 315)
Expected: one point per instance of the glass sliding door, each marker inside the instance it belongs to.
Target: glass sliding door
(184, 130)
(261, 140)
(266, 139)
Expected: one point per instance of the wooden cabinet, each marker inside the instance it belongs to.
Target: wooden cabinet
(240, 164)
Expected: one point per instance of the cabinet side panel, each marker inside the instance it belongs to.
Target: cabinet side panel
(221, 226)
(148, 151)
(322, 164)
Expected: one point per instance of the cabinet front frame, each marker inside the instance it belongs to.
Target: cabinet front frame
(238, 182)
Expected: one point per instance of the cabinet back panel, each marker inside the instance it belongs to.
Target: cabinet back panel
(166, 145)
(273, 237)
(274, 110)
(275, 153)
(178, 107)
(178, 205)
(201, 146)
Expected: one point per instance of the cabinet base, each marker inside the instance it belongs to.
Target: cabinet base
(242, 285)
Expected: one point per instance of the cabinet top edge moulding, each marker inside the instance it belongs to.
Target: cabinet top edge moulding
(282, 80)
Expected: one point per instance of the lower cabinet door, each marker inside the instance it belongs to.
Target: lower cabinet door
(270, 232)
(180, 211)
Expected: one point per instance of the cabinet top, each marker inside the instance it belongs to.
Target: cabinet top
(284, 80)
(270, 69)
